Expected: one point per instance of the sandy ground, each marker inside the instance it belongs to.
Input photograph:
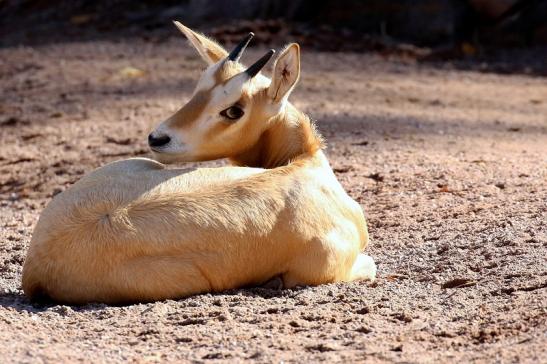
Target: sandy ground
(450, 167)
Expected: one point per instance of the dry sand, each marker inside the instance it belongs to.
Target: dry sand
(449, 166)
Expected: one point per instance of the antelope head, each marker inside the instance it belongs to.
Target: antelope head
(231, 105)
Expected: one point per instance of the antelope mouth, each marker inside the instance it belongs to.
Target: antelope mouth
(166, 156)
(158, 150)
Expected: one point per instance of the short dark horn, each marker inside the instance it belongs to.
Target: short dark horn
(258, 65)
(235, 55)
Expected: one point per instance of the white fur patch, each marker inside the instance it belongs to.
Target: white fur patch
(226, 95)
(207, 80)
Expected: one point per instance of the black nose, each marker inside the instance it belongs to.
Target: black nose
(158, 141)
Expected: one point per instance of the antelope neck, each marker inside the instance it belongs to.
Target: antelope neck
(290, 134)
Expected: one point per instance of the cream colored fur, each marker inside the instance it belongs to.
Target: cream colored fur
(136, 231)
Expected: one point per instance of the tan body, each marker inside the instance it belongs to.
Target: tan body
(135, 231)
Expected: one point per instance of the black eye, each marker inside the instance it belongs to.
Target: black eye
(232, 113)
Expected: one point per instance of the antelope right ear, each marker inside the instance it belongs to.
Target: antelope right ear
(286, 73)
(209, 50)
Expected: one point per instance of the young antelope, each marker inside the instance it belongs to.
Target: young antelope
(134, 231)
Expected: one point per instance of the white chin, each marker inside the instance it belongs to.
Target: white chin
(168, 158)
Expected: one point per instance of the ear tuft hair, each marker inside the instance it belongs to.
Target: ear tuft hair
(208, 49)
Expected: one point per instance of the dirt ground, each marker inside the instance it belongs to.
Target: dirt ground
(449, 166)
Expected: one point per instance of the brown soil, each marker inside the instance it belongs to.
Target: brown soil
(449, 166)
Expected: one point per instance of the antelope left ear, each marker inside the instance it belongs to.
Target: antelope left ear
(210, 51)
(286, 73)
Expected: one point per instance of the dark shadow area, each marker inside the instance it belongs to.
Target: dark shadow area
(20, 302)
(372, 127)
(262, 292)
(508, 36)
(507, 61)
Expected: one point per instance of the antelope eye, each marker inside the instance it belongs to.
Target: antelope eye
(232, 113)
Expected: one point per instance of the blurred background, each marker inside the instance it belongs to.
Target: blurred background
(435, 117)
(502, 35)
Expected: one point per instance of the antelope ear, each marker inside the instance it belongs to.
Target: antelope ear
(286, 73)
(209, 50)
